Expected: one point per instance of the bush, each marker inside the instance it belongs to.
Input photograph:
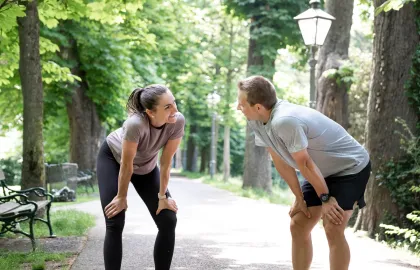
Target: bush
(12, 168)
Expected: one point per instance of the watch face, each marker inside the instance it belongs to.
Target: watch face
(325, 197)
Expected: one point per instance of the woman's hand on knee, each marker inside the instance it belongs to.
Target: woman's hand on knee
(115, 206)
(168, 203)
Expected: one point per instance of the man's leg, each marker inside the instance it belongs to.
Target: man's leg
(300, 228)
(339, 248)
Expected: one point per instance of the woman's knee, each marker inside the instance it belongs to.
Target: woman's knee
(166, 220)
(116, 224)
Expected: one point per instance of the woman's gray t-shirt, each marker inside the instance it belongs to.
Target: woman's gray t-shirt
(150, 140)
(292, 128)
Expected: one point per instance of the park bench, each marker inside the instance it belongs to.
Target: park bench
(15, 207)
(62, 180)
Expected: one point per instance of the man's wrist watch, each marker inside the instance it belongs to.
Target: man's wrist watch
(161, 197)
(324, 197)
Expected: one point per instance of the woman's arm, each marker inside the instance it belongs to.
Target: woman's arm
(165, 163)
(129, 150)
(119, 202)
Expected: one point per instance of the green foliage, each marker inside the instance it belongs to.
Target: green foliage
(392, 5)
(272, 25)
(403, 182)
(12, 168)
(8, 16)
(413, 84)
(343, 75)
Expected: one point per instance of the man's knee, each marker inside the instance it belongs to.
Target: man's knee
(299, 228)
(166, 220)
(333, 232)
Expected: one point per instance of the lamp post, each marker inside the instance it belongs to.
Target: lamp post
(314, 25)
(212, 100)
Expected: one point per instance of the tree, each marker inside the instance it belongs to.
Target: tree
(396, 38)
(272, 28)
(333, 74)
(33, 172)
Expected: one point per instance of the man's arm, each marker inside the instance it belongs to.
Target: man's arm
(287, 172)
(310, 171)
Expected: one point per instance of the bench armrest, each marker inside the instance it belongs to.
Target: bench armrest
(38, 191)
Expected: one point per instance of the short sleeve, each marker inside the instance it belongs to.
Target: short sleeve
(259, 141)
(178, 131)
(132, 129)
(292, 132)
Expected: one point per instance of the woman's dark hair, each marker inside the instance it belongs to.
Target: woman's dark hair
(145, 98)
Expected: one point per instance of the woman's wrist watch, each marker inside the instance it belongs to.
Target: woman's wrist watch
(161, 197)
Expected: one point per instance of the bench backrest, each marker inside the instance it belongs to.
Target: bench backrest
(70, 174)
(54, 176)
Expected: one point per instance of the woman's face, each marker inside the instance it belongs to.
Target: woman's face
(165, 111)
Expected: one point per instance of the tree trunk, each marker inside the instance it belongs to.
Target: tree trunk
(257, 173)
(205, 154)
(226, 153)
(216, 139)
(257, 165)
(191, 150)
(85, 127)
(332, 93)
(395, 42)
(226, 137)
(33, 171)
(178, 158)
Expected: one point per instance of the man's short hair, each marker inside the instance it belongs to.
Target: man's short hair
(259, 91)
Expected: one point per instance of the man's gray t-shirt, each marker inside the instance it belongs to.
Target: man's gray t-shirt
(150, 140)
(292, 128)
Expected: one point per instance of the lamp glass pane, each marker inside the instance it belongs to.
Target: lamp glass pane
(307, 28)
(322, 31)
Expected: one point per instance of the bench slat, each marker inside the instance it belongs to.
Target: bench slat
(8, 206)
(12, 208)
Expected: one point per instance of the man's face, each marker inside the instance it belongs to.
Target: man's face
(249, 111)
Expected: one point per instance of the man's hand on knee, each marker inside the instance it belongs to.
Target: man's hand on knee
(299, 206)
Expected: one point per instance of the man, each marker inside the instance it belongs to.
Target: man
(336, 167)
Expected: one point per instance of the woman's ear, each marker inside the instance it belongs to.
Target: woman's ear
(150, 113)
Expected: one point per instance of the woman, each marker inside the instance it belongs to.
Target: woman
(130, 154)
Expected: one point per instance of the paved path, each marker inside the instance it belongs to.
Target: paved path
(219, 231)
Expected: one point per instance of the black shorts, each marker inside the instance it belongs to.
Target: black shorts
(346, 189)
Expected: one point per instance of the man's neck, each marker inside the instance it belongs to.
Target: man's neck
(265, 117)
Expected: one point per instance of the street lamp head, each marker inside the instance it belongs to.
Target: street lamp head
(213, 99)
(314, 24)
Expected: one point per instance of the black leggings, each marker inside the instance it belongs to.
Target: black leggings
(147, 186)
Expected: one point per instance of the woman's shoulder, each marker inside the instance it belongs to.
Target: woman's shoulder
(135, 121)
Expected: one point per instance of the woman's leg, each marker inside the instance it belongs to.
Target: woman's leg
(147, 187)
(107, 169)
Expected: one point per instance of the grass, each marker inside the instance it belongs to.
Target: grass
(234, 185)
(15, 260)
(64, 223)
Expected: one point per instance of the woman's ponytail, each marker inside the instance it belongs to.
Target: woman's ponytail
(145, 98)
(134, 103)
